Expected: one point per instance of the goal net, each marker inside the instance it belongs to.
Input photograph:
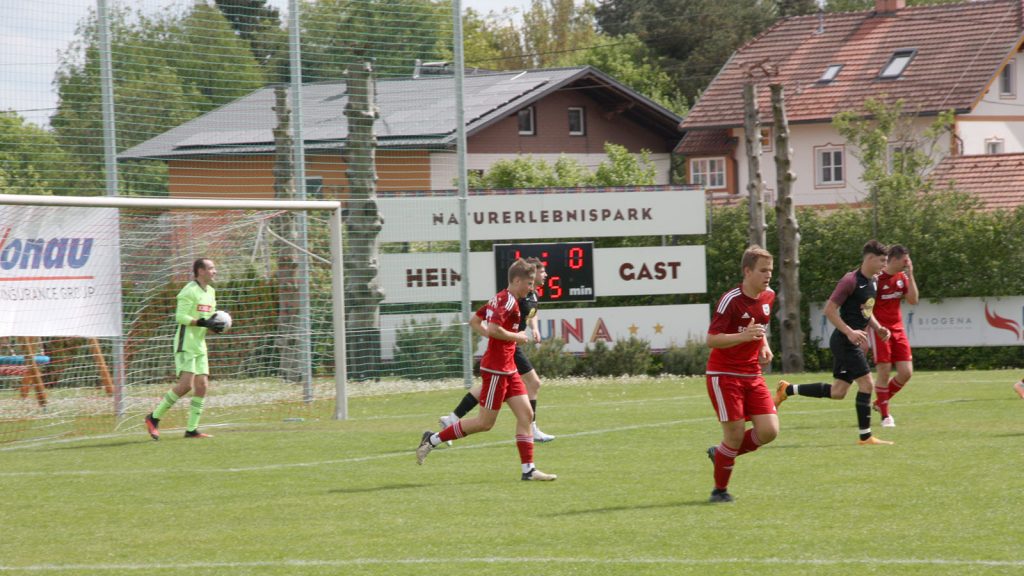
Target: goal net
(87, 312)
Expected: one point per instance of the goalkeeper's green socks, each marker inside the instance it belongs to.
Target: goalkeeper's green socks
(194, 413)
(169, 399)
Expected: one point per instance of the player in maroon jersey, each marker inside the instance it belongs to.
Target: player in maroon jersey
(501, 381)
(739, 346)
(850, 309)
(895, 283)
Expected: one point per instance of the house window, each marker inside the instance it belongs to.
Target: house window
(830, 73)
(829, 166)
(897, 64)
(315, 188)
(1008, 81)
(766, 139)
(577, 122)
(526, 124)
(994, 146)
(898, 155)
(708, 172)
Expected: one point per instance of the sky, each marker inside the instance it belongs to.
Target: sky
(34, 32)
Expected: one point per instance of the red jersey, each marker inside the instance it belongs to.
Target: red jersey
(891, 289)
(504, 311)
(732, 316)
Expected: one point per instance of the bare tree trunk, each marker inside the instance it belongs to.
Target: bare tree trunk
(757, 229)
(792, 335)
(363, 224)
(289, 341)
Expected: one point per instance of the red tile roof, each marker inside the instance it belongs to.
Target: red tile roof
(997, 180)
(959, 50)
(706, 143)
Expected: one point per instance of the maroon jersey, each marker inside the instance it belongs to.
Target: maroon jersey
(504, 311)
(732, 316)
(891, 289)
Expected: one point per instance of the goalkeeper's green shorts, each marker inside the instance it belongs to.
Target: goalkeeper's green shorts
(189, 362)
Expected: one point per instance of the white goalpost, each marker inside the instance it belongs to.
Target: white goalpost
(87, 288)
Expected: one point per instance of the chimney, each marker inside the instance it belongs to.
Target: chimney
(887, 6)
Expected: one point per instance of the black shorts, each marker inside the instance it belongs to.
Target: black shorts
(523, 365)
(848, 360)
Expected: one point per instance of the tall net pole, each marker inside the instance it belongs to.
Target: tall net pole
(461, 175)
(110, 163)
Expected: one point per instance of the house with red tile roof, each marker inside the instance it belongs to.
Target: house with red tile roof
(961, 57)
(996, 180)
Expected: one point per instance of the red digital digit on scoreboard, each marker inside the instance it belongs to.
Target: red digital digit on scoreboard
(569, 266)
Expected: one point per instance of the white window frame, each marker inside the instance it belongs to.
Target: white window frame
(819, 166)
(1008, 80)
(583, 121)
(995, 146)
(708, 172)
(830, 73)
(767, 139)
(532, 115)
(897, 64)
(895, 147)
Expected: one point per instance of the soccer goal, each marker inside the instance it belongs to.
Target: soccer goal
(87, 303)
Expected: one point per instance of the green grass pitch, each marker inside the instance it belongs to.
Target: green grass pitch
(328, 497)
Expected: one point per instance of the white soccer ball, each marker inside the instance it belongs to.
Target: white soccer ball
(221, 319)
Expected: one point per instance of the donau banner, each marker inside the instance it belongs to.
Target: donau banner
(60, 271)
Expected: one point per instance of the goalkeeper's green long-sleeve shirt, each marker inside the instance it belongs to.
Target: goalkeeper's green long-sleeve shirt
(193, 303)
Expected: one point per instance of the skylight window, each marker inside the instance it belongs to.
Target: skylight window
(897, 64)
(830, 73)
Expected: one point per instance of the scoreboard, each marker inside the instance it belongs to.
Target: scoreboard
(570, 268)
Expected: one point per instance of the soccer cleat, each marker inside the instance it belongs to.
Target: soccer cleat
(711, 454)
(872, 441)
(447, 421)
(424, 448)
(540, 436)
(196, 434)
(539, 476)
(720, 496)
(888, 422)
(780, 395)
(153, 426)
(1019, 388)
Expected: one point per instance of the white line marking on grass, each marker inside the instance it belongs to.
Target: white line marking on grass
(117, 567)
(402, 454)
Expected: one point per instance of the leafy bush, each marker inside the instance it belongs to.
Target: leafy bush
(631, 356)
(685, 360)
(428, 358)
(550, 359)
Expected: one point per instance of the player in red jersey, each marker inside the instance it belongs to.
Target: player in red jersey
(1019, 387)
(501, 381)
(895, 283)
(739, 346)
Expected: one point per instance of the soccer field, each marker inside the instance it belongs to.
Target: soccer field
(328, 497)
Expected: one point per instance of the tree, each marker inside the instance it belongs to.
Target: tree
(167, 70)
(621, 168)
(558, 33)
(341, 35)
(260, 26)
(31, 161)
(897, 172)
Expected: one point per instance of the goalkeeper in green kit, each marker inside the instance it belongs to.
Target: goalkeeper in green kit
(197, 304)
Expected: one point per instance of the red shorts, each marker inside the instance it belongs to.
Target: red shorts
(736, 398)
(499, 387)
(895, 349)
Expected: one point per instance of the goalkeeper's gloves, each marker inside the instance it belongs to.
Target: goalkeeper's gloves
(205, 323)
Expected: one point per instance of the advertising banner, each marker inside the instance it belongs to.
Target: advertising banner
(993, 321)
(662, 326)
(59, 271)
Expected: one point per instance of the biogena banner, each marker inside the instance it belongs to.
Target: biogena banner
(989, 321)
(60, 271)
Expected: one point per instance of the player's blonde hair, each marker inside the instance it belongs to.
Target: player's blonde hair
(520, 269)
(751, 255)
